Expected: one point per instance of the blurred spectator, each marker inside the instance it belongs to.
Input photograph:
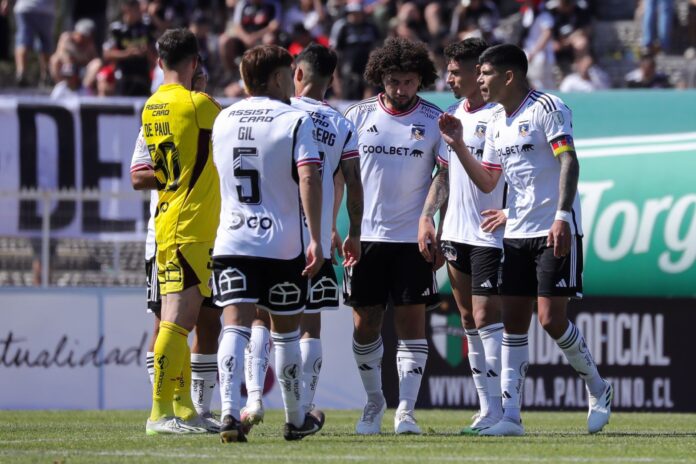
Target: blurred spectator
(537, 33)
(571, 30)
(94, 10)
(409, 23)
(687, 77)
(587, 77)
(34, 19)
(77, 51)
(301, 37)
(252, 20)
(466, 17)
(131, 50)
(646, 75)
(201, 26)
(691, 23)
(353, 37)
(310, 13)
(106, 81)
(69, 83)
(4, 31)
(166, 14)
(657, 13)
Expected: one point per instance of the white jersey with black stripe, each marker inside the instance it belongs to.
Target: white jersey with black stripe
(520, 145)
(337, 141)
(398, 152)
(258, 143)
(466, 202)
(141, 161)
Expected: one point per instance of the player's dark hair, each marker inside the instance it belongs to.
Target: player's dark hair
(176, 46)
(321, 60)
(504, 57)
(400, 55)
(467, 50)
(259, 62)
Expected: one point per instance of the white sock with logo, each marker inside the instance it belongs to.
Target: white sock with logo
(311, 366)
(369, 360)
(230, 360)
(204, 375)
(492, 337)
(288, 367)
(150, 364)
(578, 355)
(477, 362)
(411, 356)
(258, 353)
(515, 361)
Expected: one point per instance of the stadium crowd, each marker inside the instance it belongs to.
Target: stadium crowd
(107, 47)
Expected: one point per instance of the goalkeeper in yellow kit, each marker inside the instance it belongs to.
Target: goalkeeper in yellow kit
(177, 125)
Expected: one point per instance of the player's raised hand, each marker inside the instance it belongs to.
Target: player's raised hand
(336, 248)
(492, 219)
(450, 128)
(352, 251)
(427, 240)
(315, 259)
(559, 238)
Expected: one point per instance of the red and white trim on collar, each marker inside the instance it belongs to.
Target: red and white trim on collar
(397, 113)
(521, 105)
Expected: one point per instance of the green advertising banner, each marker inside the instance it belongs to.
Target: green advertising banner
(637, 153)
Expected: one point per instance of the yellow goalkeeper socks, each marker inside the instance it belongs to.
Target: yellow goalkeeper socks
(171, 351)
(183, 403)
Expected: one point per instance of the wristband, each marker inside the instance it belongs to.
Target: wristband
(564, 216)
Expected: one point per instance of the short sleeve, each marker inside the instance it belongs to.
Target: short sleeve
(490, 159)
(350, 147)
(207, 110)
(558, 128)
(141, 155)
(443, 153)
(306, 150)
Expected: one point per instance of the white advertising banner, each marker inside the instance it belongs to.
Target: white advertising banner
(85, 349)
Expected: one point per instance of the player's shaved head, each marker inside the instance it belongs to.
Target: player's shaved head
(506, 57)
(399, 55)
(258, 64)
(467, 50)
(177, 46)
(318, 61)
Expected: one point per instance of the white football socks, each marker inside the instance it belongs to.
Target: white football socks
(578, 355)
(258, 353)
(311, 366)
(204, 375)
(411, 356)
(492, 337)
(369, 360)
(515, 361)
(231, 367)
(288, 366)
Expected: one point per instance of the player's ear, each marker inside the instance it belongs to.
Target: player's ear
(160, 64)
(509, 76)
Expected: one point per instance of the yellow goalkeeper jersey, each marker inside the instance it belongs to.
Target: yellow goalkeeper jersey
(177, 125)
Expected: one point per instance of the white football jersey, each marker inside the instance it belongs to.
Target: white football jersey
(258, 143)
(466, 202)
(520, 144)
(398, 151)
(142, 160)
(337, 141)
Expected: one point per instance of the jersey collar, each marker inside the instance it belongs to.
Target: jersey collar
(397, 113)
(524, 100)
(469, 109)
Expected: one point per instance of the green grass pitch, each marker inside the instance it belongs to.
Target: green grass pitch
(67, 437)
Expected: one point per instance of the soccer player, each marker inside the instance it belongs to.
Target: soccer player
(337, 141)
(177, 126)
(472, 252)
(204, 349)
(269, 173)
(398, 141)
(530, 139)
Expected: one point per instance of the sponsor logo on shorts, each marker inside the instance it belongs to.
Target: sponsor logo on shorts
(449, 251)
(231, 280)
(325, 289)
(284, 294)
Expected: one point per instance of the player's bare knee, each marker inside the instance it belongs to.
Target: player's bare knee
(310, 326)
(368, 322)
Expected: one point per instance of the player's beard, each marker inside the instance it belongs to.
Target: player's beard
(400, 105)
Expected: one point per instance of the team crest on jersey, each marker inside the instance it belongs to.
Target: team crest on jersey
(524, 128)
(480, 131)
(417, 132)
